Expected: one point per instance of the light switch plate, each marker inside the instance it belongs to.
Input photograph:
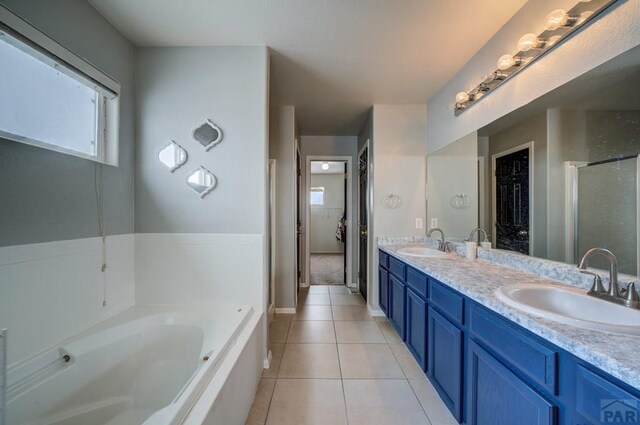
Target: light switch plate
(418, 223)
(434, 222)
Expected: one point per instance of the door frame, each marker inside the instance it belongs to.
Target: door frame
(367, 147)
(307, 160)
(271, 308)
(529, 146)
(482, 172)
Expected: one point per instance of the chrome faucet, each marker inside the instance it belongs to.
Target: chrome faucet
(625, 296)
(442, 244)
(478, 230)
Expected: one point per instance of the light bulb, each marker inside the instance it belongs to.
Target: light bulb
(462, 97)
(556, 19)
(528, 42)
(507, 61)
(325, 166)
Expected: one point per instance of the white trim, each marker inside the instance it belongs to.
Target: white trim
(273, 234)
(375, 312)
(296, 206)
(307, 160)
(482, 171)
(369, 203)
(530, 147)
(285, 310)
(266, 363)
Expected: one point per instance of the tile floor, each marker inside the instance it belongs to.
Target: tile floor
(334, 364)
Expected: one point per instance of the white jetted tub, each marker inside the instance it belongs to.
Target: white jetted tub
(147, 365)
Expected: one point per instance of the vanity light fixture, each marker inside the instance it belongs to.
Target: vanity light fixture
(559, 24)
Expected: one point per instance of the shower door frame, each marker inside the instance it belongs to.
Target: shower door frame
(571, 207)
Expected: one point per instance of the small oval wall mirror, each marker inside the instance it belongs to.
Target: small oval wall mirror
(208, 134)
(201, 181)
(172, 156)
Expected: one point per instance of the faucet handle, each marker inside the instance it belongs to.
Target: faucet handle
(597, 282)
(632, 294)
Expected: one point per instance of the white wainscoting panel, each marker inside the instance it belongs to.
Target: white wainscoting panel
(192, 269)
(51, 291)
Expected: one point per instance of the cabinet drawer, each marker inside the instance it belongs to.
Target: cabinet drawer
(537, 361)
(417, 281)
(448, 302)
(396, 267)
(383, 259)
(599, 400)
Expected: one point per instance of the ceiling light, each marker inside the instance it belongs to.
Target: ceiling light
(462, 97)
(530, 41)
(325, 166)
(507, 61)
(559, 18)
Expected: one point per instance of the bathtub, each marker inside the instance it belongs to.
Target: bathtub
(147, 365)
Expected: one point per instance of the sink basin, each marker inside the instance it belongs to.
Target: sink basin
(571, 306)
(420, 251)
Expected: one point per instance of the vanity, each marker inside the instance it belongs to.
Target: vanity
(492, 364)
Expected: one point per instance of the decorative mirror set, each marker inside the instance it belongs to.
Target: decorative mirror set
(173, 156)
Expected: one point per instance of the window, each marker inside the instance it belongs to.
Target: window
(52, 98)
(316, 196)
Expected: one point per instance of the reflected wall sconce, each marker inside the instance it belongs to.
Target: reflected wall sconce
(559, 24)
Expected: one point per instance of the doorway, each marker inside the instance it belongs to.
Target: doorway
(328, 216)
(363, 219)
(512, 199)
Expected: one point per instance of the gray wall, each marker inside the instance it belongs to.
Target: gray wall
(336, 146)
(178, 89)
(47, 196)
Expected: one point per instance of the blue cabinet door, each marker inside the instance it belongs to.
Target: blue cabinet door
(383, 286)
(445, 361)
(396, 304)
(416, 327)
(499, 397)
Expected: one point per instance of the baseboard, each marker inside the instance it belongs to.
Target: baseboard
(266, 363)
(375, 312)
(352, 285)
(285, 310)
(327, 253)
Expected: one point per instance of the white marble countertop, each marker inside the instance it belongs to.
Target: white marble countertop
(617, 354)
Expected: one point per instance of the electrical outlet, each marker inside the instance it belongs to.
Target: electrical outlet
(434, 222)
(418, 223)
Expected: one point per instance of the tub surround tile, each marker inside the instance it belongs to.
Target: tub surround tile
(368, 361)
(479, 279)
(307, 401)
(362, 332)
(311, 331)
(261, 402)
(382, 402)
(310, 361)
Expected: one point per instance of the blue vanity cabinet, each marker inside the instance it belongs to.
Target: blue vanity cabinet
(397, 294)
(383, 286)
(498, 397)
(416, 327)
(445, 364)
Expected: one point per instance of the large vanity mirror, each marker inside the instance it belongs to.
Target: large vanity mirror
(555, 177)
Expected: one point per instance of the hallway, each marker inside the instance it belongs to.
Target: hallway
(334, 364)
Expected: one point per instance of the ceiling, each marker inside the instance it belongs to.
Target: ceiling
(332, 59)
(335, 167)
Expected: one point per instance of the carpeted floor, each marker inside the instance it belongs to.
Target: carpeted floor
(326, 269)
